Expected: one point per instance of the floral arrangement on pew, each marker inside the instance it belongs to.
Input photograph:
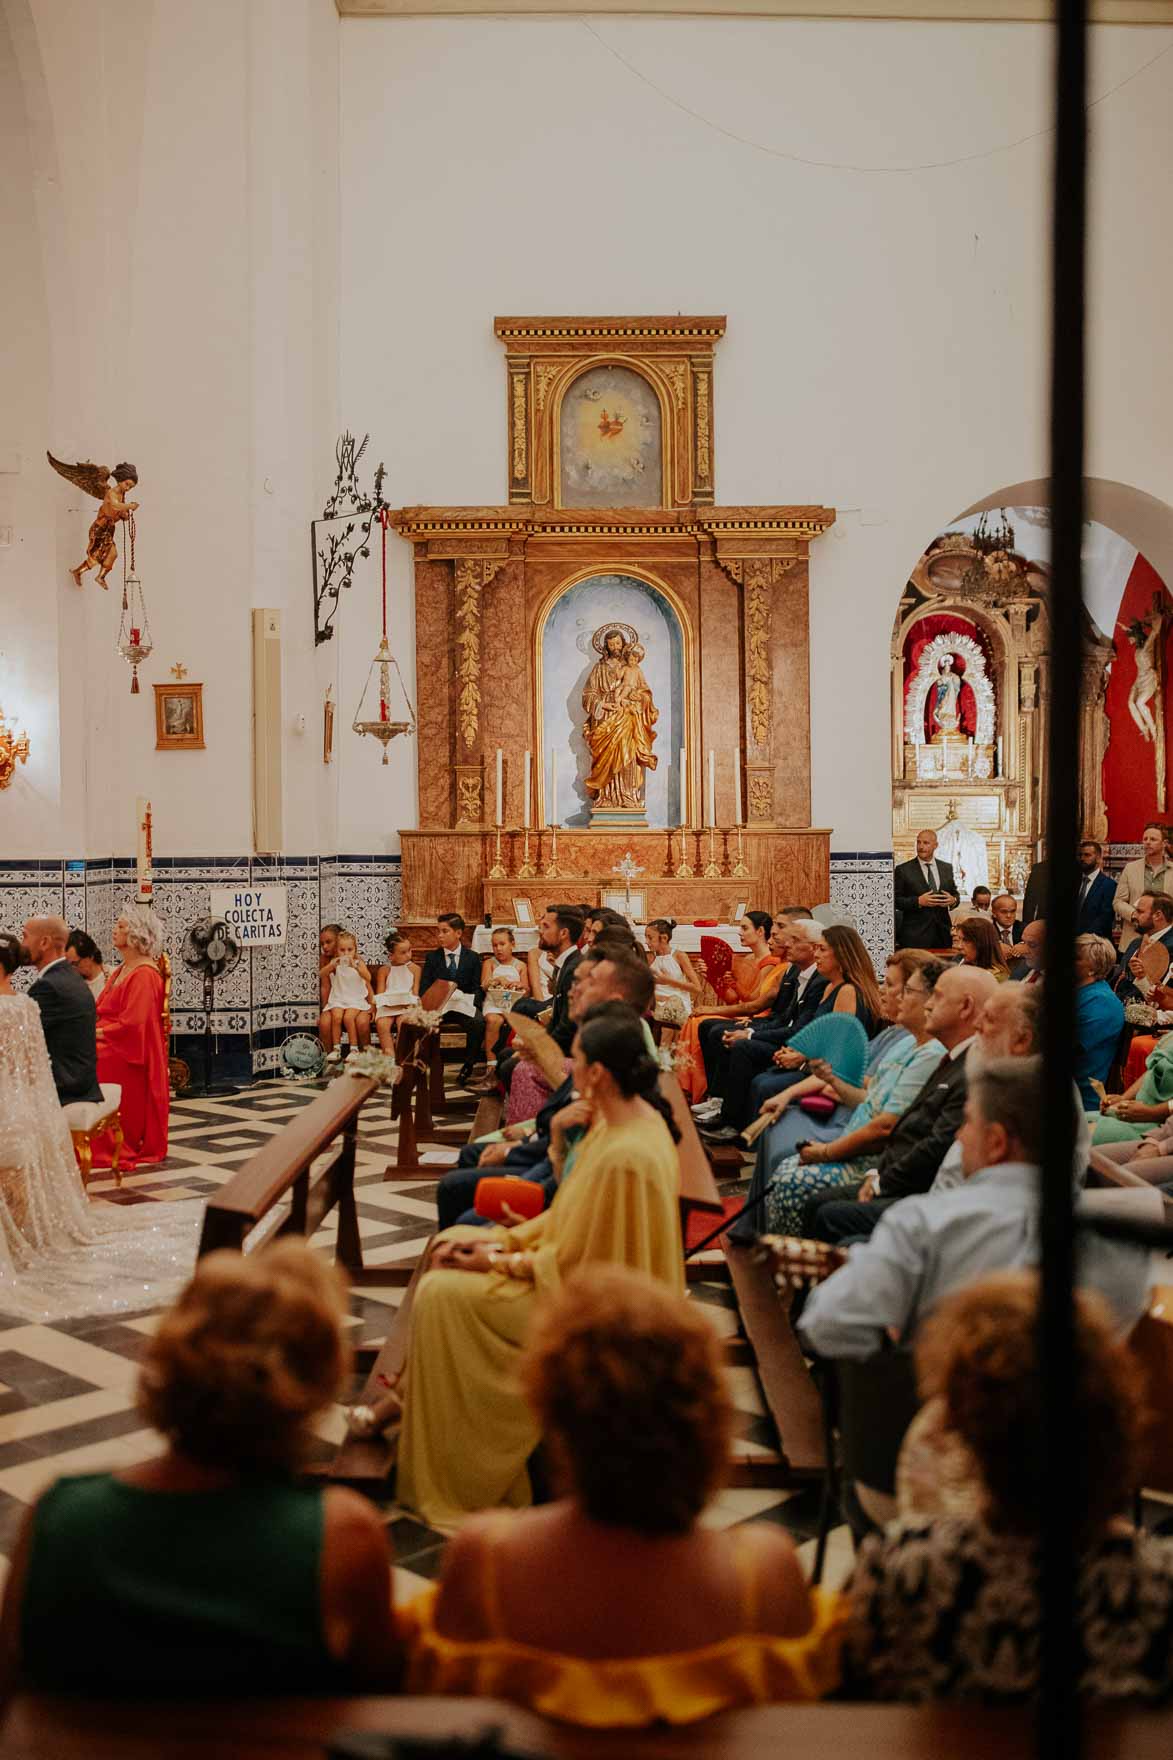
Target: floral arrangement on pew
(427, 1018)
(372, 1063)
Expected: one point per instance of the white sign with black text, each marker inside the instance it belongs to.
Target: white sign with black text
(255, 914)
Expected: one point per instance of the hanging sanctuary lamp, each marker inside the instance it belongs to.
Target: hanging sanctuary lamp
(381, 726)
(134, 632)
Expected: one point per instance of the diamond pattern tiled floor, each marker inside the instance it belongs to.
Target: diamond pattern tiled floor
(67, 1390)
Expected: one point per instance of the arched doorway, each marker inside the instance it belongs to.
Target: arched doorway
(972, 624)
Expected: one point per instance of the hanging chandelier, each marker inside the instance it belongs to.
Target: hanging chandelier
(381, 726)
(134, 631)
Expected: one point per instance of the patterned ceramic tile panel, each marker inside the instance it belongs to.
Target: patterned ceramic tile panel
(861, 883)
(327, 890)
(370, 900)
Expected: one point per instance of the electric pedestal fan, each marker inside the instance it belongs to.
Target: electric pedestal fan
(210, 950)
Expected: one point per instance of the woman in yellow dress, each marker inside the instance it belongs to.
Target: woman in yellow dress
(467, 1431)
(616, 1606)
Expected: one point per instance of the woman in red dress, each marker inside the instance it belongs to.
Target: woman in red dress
(131, 1048)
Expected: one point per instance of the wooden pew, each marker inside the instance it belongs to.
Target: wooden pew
(40, 1728)
(411, 1100)
(282, 1168)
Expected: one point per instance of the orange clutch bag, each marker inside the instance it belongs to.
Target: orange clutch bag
(523, 1196)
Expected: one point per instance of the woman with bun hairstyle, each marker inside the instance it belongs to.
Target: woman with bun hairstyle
(467, 1430)
(617, 1606)
(211, 1568)
(677, 985)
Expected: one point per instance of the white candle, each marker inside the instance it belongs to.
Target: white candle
(712, 786)
(552, 816)
(683, 787)
(1000, 771)
(1001, 861)
(526, 791)
(500, 785)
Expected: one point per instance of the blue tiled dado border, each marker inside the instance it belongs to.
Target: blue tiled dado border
(273, 991)
(861, 884)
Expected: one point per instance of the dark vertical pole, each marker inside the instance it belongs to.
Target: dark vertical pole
(1059, 1712)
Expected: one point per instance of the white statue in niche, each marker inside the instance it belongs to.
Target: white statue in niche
(945, 708)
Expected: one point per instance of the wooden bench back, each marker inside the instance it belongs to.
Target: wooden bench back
(282, 1169)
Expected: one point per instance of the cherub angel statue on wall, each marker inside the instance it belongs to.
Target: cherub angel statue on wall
(95, 479)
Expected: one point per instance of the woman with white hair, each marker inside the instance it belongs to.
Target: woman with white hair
(132, 1050)
(1099, 1015)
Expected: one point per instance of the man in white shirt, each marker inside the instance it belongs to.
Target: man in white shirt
(924, 1248)
(1150, 872)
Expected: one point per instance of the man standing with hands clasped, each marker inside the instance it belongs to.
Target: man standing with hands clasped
(925, 893)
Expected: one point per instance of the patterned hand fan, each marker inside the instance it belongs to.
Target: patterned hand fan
(716, 957)
(840, 1041)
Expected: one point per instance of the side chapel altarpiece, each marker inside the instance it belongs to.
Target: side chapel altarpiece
(609, 425)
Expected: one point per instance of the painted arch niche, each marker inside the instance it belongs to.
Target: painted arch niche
(567, 657)
(977, 594)
(610, 441)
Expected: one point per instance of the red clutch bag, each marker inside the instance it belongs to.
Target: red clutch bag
(523, 1196)
(818, 1105)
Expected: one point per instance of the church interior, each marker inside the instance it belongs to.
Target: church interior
(547, 795)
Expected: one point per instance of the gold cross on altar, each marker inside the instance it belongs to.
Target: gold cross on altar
(178, 671)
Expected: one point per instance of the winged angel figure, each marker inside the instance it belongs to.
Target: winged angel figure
(95, 479)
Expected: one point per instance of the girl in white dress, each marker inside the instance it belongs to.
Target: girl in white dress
(676, 982)
(503, 980)
(397, 987)
(350, 999)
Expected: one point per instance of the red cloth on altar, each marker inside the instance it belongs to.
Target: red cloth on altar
(133, 1052)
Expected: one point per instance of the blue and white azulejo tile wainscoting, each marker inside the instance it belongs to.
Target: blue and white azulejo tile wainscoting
(861, 883)
(273, 991)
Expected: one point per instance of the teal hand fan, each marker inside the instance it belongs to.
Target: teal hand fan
(839, 1039)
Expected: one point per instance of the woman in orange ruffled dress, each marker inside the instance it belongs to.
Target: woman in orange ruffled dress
(132, 1050)
(757, 973)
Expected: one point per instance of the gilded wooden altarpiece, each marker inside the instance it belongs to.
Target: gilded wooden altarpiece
(487, 577)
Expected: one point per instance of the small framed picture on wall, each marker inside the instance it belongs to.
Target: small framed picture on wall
(179, 717)
(523, 913)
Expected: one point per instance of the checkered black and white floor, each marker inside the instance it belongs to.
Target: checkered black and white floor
(67, 1389)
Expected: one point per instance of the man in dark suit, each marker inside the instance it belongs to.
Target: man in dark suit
(747, 1074)
(67, 1011)
(559, 930)
(925, 893)
(454, 963)
(1004, 915)
(1096, 905)
(912, 1155)
(1154, 919)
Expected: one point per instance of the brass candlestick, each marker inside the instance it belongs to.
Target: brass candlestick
(552, 871)
(497, 871)
(740, 872)
(527, 871)
(713, 871)
(684, 872)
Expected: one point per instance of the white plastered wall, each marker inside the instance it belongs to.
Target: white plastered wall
(169, 240)
(886, 349)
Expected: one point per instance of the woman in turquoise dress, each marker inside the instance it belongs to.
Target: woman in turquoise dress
(890, 1091)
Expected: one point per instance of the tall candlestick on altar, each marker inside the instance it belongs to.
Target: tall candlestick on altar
(528, 787)
(500, 785)
(552, 815)
(712, 814)
(1001, 772)
(683, 786)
